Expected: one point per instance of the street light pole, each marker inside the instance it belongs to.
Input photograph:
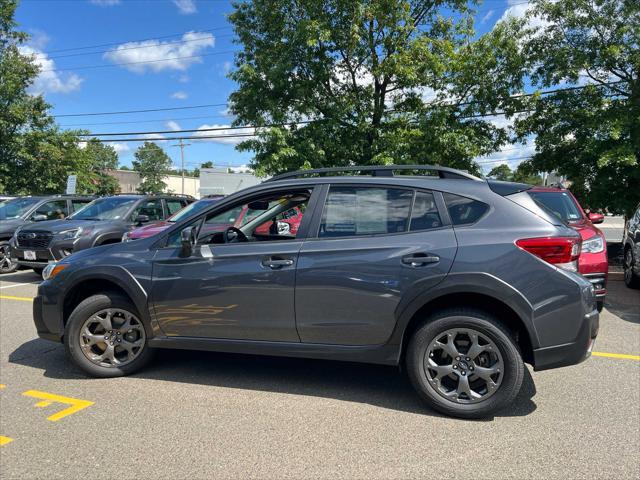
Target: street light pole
(182, 145)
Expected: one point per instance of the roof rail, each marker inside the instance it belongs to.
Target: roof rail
(379, 171)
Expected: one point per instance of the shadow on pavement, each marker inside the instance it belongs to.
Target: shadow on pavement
(381, 386)
(622, 301)
(21, 276)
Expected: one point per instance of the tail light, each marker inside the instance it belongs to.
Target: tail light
(563, 252)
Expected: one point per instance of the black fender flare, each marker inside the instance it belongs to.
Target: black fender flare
(119, 276)
(464, 283)
(100, 239)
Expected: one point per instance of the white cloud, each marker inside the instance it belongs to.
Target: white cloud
(226, 67)
(171, 125)
(184, 79)
(38, 39)
(511, 154)
(105, 3)
(119, 147)
(153, 137)
(82, 145)
(169, 55)
(487, 16)
(50, 81)
(186, 7)
(520, 10)
(180, 95)
(224, 130)
(241, 169)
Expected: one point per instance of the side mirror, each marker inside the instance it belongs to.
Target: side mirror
(39, 218)
(596, 217)
(140, 219)
(187, 241)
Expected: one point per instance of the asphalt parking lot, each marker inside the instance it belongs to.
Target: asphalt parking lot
(204, 415)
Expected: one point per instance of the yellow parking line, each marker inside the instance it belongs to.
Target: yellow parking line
(616, 355)
(5, 440)
(48, 398)
(21, 299)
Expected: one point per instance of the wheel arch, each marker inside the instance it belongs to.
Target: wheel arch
(107, 279)
(487, 293)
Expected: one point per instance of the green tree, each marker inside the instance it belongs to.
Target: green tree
(501, 172)
(206, 165)
(367, 82)
(102, 159)
(153, 164)
(591, 134)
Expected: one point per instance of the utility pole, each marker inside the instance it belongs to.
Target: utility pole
(182, 145)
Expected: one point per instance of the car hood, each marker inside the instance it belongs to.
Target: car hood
(149, 230)
(10, 225)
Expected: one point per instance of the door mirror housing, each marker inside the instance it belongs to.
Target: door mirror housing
(187, 241)
(596, 218)
(39, 218)
(140, 219)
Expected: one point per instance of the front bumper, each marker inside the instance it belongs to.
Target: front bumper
(56, 251)
(570, 353)
(46, 332)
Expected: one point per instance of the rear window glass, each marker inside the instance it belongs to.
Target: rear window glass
(559, 203)
(351, 211)
(464, 211)
(424, 214)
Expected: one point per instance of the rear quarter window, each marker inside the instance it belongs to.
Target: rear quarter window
(463, 210)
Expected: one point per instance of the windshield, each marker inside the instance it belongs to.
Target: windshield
(111, 208)
(17, 207)
(560, 204)
(190, 209)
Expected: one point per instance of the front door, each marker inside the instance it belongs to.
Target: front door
(239, 282)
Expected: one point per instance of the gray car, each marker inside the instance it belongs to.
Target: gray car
(457, 279)
(21, 211)
(102, 222)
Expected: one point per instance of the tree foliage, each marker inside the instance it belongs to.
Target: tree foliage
(592, 134)
(521, 174)
(366, 82)
(153, 164)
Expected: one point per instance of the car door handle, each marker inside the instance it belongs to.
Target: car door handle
(420, 259)
(276, 263)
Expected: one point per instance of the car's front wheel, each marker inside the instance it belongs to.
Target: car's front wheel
(106, 337)
(6, 264)
(464, 363)
(630, 278)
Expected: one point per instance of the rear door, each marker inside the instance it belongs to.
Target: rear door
(373, 246)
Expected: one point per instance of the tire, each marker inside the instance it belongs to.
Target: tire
(600, 305)
(500, 346)
(38, 270)
(88, 314)
(6, 265)
(631, 280)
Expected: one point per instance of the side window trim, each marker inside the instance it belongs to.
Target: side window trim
(442, 208)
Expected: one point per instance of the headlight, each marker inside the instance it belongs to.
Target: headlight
(53, 269)
(593, 245)
(74, 233)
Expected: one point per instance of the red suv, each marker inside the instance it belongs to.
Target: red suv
(593, 262)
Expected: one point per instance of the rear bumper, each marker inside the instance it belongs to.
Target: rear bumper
(570, 353)
(599, 282)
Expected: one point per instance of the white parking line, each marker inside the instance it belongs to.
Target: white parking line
(19, 285)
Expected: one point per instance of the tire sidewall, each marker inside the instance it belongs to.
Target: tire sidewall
(14, 266)
(513, 366)
(81, 313)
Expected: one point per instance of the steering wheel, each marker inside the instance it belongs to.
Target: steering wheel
(239, 235)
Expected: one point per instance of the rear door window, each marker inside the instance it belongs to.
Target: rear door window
(355, 211)
(424, 214)
(174, 205)
(463, 210)
(150, 208)
(78, 203)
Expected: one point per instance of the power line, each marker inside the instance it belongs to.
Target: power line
(166, 139)
(89, 67)
(140, 111)
(200, 117)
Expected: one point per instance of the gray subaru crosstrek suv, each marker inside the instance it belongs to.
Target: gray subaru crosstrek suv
(458, 279)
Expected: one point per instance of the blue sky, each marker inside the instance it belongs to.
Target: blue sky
(150, 30)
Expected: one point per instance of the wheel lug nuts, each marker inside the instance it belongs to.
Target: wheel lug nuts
(106, 337)
(463, 372)
(455, 367)
(468, 359)
(457, 358)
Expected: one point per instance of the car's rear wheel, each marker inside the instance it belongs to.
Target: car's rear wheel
(464, 363)
(6, 264)
(630, 279)
(106, 337)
